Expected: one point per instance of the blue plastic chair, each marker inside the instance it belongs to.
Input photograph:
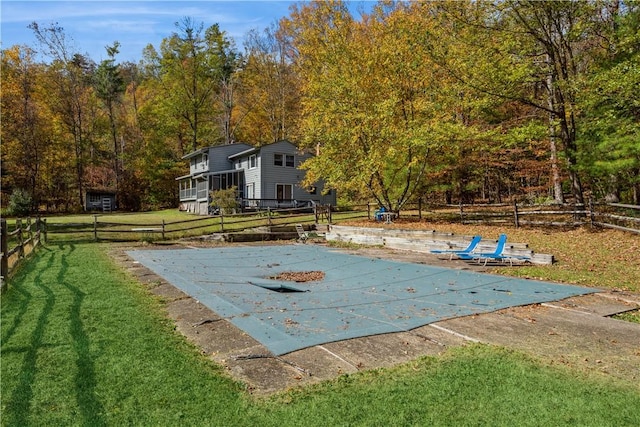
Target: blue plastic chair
(457, 252)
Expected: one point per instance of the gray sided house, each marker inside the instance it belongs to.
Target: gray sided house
(266, 177)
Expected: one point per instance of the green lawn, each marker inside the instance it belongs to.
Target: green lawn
(84, 344)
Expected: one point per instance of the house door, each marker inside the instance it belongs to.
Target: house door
(250, 194)
(284, 192)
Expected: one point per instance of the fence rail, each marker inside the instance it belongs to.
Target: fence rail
(98, 230)
(609, 215)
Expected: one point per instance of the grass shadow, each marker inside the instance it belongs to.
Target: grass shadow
(85, 381)
(47, 291)
(21, 398)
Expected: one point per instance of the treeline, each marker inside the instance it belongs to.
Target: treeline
(455, 101)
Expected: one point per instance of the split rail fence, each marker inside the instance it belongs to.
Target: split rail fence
(610, 215)
(16, 245)
(27, 234)
(100, 227)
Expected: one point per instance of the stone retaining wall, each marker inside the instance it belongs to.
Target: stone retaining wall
(425, 241)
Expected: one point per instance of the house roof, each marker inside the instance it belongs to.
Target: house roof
(244, 153)
(102, 190)
(257, 149)
(195, 153)
(205, 150)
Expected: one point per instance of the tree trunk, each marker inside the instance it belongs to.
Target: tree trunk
(555, 172)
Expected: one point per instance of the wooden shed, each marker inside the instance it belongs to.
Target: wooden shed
(100, 200)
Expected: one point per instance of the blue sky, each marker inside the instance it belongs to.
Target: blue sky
(94, 24)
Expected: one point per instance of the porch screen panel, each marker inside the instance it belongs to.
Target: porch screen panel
(202, 189)
(187, 189)
(215, 182)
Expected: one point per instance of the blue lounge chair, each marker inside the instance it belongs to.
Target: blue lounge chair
(497, 254)
(458, 252)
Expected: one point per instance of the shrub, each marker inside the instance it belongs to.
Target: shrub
(225, 200)
(20, 203)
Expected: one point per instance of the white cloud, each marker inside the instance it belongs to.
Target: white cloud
(95, 24)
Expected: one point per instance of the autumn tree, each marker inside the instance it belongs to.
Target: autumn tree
(193, 67)
(534, 53)
(155, 160)
(608, 97)
(109, 87)
(270, 98)
(133, 184)
(179, 105)
(230, 63)
(461, 99)
(557, 30)
(70, 96)
(25, 141)
(369, 100)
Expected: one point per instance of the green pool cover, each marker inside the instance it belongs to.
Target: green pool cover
(358, 296)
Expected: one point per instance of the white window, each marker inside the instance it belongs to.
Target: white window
(252, 161)
(284, 192)
(205, 161)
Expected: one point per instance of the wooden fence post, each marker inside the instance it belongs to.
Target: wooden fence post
(37, 225)
(221, 222)
(163, 224)
(44, 229)
(269, 216)
(95, 228)
(420, 208)
(329, 219)
(461, 212)
(591, 216)
(29, 229)
(20, 238)
(579, 211)
(515, 213)
(4, 263)
(368, 210)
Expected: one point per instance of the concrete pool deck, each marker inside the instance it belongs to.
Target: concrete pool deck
(358, 296)
(550, 328)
